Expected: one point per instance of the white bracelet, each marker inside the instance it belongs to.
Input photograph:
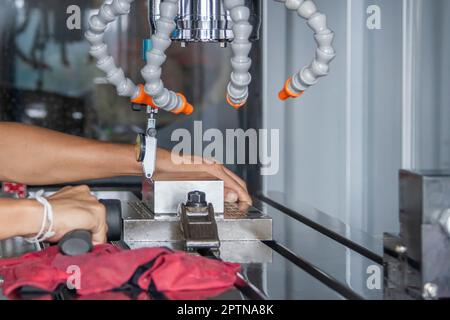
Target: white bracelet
(46, 220)
(48, 217)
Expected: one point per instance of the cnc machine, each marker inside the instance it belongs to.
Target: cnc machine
(225, 22)
(188, 211)
(285, 253)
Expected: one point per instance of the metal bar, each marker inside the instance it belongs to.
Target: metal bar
(327, 232)
(246, 288)
(119, 183)
(314, 271)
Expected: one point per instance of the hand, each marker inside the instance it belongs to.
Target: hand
(74, 208)
(235, 188)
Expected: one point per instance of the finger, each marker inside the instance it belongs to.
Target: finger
(72, 190)
(233, 185)
(231, 196)
(211, 161)
(100, 231)
(77, 193)
(243, 206)
(99, 237)
(82, 189)
(236, 178)
(60, 192)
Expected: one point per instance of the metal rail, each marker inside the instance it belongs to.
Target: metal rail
(314, 271)
(323, 230)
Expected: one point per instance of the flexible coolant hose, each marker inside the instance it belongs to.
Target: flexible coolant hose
(105, 62)
(162, 97)
(237, 90)
(155, 94)
(325, 53)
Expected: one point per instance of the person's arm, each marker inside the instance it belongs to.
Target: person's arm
(74, 208)
(37, 156)
(12, 211)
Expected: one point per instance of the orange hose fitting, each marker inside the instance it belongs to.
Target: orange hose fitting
(144, 98)
(186, 108)
(287, 93)
(235, 105)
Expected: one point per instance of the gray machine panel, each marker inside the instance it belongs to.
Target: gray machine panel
(417, 263)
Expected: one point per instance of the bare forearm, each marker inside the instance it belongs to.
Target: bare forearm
(34, 155)
(19, 218)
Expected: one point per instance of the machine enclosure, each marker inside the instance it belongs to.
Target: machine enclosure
(206, 20)
(424, 259)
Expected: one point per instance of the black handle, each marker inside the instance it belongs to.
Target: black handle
(76, 243)
(113, 219)
(79, 242)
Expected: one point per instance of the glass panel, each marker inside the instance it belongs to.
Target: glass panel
(340, 262)
(431, 83)
(345, 140)
(47, 77)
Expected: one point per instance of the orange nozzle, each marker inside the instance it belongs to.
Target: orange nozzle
(144, 98)
(286, 93)
(235, 105)
(186, 108)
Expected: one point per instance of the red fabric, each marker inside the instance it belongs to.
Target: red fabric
(182, 272)
(15, 188)
(108, 267)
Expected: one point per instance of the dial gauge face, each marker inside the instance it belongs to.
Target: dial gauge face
(139, 148)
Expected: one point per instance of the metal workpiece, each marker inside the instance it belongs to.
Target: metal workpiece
(442, 219)
(237, 90)
(98, 23)
(323, 36)
(165, 191)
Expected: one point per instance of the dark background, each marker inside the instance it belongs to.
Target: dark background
(47, 77)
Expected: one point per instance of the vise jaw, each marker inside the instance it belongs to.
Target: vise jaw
(198, 223)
